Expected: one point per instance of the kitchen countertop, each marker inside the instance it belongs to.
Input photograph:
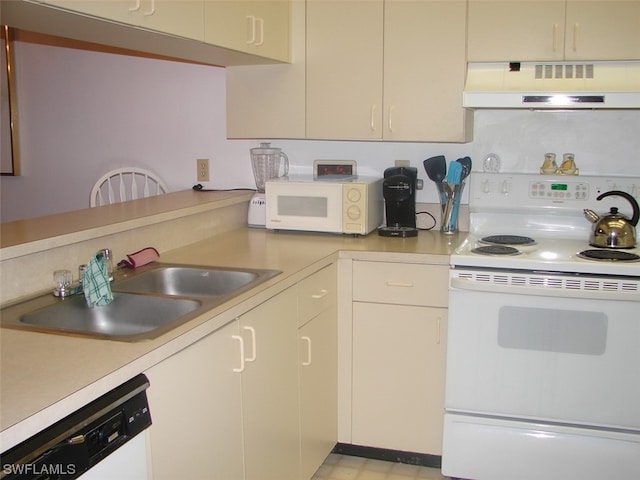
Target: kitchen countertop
(45, 377)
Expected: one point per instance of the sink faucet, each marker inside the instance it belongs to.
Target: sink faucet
(64, 286)
(63, 279)
(108, 260)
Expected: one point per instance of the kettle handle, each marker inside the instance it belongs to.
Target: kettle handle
(632, 201)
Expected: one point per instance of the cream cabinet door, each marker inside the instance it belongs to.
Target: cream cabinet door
(318, 367)
(268, 101)
(183, 18)
(424, 71)
(270, 389)
(398, 377)
(123, 11)
(515, 30)
(344, 69)
(605, 30)
(195, 402)
(256, 27)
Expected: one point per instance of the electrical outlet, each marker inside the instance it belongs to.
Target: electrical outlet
(203, 169)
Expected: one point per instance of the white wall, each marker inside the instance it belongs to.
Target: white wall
(83, 113)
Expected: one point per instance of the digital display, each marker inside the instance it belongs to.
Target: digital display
(558, 186)
(338, 169)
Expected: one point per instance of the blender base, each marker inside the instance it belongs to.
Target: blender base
(257, 215)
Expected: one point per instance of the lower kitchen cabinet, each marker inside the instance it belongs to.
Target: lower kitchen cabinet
(256, 399)
(398, 377)
(398, 355)
(219, 415)
(318, 369)
(270, 389)
(195, 400)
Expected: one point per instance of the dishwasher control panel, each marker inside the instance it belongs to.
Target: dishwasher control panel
(73, 445)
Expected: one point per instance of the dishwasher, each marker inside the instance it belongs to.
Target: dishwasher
(102, 440)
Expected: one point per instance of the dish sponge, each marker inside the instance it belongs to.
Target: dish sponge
(95, 283)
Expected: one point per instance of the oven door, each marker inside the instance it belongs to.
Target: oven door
(550, 358)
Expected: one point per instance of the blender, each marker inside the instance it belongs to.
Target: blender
(268, 163)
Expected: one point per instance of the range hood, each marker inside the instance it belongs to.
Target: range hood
(553, 85)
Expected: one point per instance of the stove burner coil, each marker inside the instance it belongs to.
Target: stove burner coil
(508, 240)
(496, 250)
(609, 255)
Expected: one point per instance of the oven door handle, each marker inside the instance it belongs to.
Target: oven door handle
(545, 291)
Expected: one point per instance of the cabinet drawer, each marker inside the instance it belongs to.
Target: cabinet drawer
(401, 283)
(317, 293)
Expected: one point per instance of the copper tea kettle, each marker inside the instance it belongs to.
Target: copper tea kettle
(614, 230)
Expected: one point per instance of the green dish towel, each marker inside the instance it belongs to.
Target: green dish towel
(95, 283)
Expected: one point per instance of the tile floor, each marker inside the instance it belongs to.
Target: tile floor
(346, 467)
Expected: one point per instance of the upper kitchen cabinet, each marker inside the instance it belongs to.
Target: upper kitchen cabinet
(604, 30)
(268, 101)
(170, 28)
(183, 18)
(365, 80)
(516, 30)
(422, 93)
(255, 27)
(355, 74)
(344, 69)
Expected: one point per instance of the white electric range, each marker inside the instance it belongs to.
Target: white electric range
(543, 351)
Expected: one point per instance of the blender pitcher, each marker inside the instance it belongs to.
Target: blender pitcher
(267, 164)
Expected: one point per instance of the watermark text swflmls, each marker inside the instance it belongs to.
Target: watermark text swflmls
(39, 469)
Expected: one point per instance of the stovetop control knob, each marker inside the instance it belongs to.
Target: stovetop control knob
(486, 187)
(505, 188)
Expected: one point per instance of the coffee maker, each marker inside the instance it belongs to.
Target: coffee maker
(399, 192)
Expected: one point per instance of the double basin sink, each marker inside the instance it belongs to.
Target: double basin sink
(147, 302)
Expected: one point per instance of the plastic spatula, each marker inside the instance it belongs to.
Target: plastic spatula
(454, 174)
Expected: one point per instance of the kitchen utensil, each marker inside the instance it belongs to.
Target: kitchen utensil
(453, 194)
(436, 168)
(454, 175)
(466, 167)
(614, 230)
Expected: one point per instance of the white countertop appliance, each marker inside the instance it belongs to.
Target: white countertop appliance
(347, 204)
(267, 163)
(543, 359)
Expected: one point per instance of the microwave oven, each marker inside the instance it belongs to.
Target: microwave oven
(334, 204)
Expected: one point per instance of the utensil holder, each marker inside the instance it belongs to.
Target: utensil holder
(450, 195)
